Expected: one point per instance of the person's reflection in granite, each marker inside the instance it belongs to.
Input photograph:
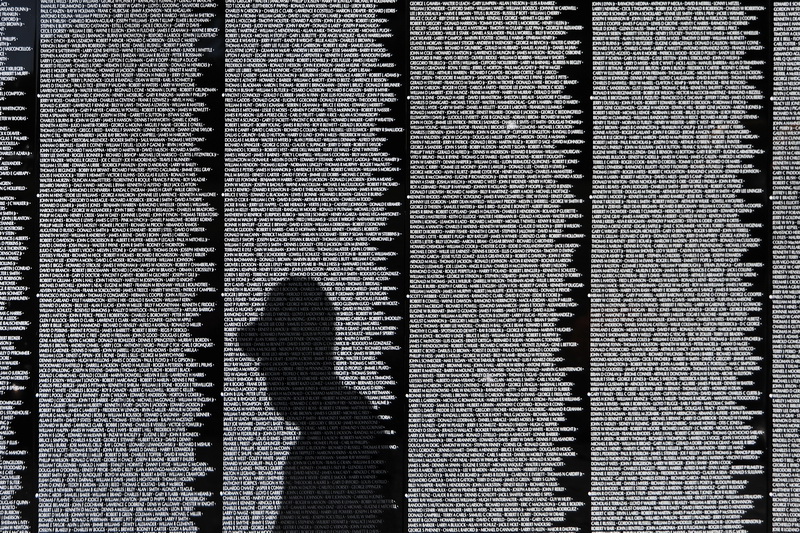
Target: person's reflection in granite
(332, 476)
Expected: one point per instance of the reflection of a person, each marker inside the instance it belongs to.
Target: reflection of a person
(331, 477)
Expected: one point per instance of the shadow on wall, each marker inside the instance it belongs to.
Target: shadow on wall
(333, 478)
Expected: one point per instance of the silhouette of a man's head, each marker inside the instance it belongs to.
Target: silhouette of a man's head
(293, 342)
